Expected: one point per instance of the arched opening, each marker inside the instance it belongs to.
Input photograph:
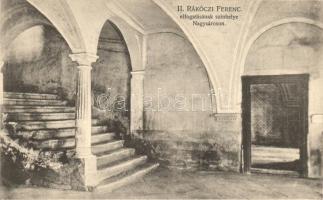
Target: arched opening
(37, 61)
(111, 80)
(35, 54)
(276, 95)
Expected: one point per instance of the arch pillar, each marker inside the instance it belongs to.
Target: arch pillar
(315, 137)
(83, 121)
(1, 113)
(137, 101)
(1, 94)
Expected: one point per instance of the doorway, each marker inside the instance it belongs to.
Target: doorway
(275, 124)
(111, 81)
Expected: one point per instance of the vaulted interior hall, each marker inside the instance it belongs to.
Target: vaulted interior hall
(121, 98)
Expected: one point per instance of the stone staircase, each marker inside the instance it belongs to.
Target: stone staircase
(49, 125)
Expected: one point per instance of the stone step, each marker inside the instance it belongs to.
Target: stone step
(106, 147)
(113, 183)
(36, 125)
(41, 109)
(102, 138)
(99, 129)
(37, 102)
(47, 134)
(39, 116)
(18, 95)
(120, 167)
(114, 156)
(55, 124)
(55, 144)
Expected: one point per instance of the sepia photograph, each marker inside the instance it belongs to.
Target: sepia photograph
(161, 99)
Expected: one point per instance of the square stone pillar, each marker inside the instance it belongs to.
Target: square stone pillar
(1, 94)
(1, 114)
(137, 101)
(84, 118)
(315, 125)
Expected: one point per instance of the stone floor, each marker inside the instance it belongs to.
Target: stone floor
(165, 183)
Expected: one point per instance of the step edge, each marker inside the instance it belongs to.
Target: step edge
(49, 121)
(114, 157)
(104, 133)
(127, 179)
(36, 106)
(137, 161)
(109, 143)
(30, 93)
(20, 99)
(122, 150)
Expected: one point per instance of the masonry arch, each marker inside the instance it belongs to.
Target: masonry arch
(132, 39)
(271, 26)
(18, 19)
(25, 66)
(111, 76)
(236, 92)
(24, 15)
(62, 18)
(295, 51)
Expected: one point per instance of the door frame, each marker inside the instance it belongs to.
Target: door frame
(247, 81)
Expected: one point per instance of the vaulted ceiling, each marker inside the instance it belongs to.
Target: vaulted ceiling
(147, 15)
(222, 49)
